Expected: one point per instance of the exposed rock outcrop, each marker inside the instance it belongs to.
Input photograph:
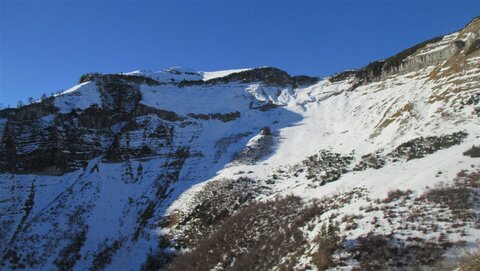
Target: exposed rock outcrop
(427, 53)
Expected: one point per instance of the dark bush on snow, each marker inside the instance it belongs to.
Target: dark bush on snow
(474, 151)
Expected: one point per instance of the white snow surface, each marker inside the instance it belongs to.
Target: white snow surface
(80, 96)
(217, 74)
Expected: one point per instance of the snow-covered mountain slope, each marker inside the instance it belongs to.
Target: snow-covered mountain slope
(250, 169)
(217, 74)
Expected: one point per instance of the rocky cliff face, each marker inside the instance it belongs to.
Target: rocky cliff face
(185, 170)
(449, 48)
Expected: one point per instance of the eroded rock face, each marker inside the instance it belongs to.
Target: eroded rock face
(430, 52)
(39, 139)
(267, 75)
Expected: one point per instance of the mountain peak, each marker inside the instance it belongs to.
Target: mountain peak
(178, 74)
(172, 74)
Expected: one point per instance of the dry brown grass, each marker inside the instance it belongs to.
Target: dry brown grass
(470, 261)
(261, 236)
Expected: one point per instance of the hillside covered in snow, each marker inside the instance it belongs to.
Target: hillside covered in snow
(250, 169)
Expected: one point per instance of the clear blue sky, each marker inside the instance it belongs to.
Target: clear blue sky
(46, 46)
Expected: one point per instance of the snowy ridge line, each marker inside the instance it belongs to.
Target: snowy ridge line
(177, 74)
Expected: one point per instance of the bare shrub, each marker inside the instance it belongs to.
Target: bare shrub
(474, 151)
(386, 252)
(371, 160)
(256, 237)
(104, 257)
(326, 166)
(70, 254)
(423, 146)
(396, 194)
(372, 251)
(215, 203)
(328, 240)
(470, 179)
(457, 199)
(470, 261)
